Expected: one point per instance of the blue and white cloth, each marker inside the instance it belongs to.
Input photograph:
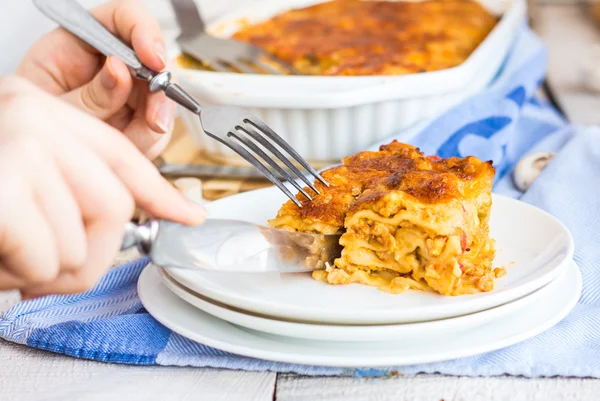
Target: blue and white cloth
(109, 323)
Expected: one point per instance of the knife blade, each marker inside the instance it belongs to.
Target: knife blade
(222, 245)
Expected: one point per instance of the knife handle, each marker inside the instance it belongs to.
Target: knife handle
(140, 236)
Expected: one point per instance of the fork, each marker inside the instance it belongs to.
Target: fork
(218, 53)
(235, 127)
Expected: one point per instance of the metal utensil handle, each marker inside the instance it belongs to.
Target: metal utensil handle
(140, 236)
(72, 16)
(162, 81)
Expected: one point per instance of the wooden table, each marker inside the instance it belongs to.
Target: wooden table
(38, 375)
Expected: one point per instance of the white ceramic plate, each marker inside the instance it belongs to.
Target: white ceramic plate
(199, 326)
(531, 244)
(391, 332)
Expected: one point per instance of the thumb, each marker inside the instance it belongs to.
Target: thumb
(107, 93)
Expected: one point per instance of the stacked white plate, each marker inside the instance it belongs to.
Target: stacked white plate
(293, 318)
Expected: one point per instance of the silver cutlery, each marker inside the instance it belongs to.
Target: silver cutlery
(231, 246)
(235, 127)
(177, 170)
(218, 53)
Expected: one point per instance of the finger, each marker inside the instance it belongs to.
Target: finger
(28, 252)
(29, 160)
(58, 72)
(8, 279)
(155, 110)
(106, 207)
(135, 25)
(107, 93)
(27, 245)
(149, 189)
(62, 212)
(121, 119)
(140, 132)
(160, 112)
(146, 140)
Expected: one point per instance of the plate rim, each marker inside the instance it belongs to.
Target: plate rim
(402, 330)
(263, 307)
(347, 360)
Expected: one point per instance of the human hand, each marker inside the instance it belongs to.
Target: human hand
(65, 66)
(69, 185)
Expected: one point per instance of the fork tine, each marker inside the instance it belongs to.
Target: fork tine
(217, 65)
(242, 67)
(284, 145)
(256, 149)
(261, 60)
(265, 66)
(259, 166)
(284, 64)
(252, 132)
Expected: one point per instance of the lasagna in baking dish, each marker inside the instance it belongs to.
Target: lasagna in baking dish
(407, 221)
(361, 37)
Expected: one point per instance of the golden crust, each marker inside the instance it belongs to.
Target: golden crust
(356, 37)
(363, 179)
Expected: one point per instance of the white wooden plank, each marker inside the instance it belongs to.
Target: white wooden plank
(435, 388)
(569, 36)
(27, 373)
(8, 299)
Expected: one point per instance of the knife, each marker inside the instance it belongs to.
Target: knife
(222, 245)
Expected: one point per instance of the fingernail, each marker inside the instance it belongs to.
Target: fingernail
(198, 211)
(108, 79)
(160, 51)
(165, 116)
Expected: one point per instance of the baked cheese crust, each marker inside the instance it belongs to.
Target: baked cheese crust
(357, 37)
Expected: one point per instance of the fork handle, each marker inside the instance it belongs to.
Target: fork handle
(72, 16)
(162, 81)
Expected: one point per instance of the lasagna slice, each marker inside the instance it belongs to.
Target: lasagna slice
(407, 221)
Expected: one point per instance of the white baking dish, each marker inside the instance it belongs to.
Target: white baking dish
(326, 118)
